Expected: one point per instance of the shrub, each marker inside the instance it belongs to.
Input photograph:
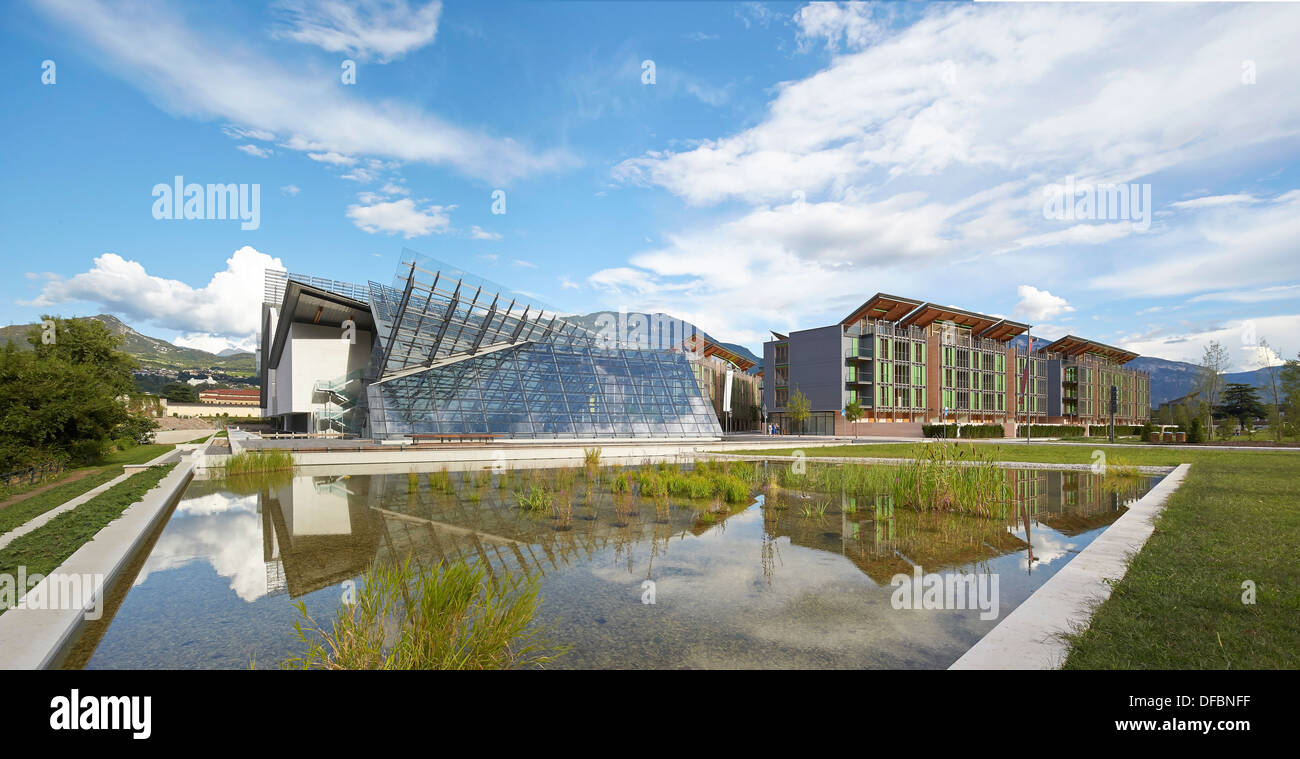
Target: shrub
(967, 431)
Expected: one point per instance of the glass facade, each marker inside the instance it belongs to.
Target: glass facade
(453, 358)
(542, 390)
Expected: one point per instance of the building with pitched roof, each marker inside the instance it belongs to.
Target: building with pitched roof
(904, 362)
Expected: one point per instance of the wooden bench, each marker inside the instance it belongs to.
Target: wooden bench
(455, 437)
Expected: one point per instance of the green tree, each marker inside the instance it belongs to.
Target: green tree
(66, 398)
(180, 392)
(1289, 386)
(798, 408)
(1272, 386)
(1209, 380)
(853, 411)
(1241, 401)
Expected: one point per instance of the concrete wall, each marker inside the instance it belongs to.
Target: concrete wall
(312, 353)
(817, 366)
(212, 409)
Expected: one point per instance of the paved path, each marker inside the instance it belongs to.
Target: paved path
(72, 476)
(39, 521)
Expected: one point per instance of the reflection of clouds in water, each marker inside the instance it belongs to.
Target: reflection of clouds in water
(228, 536)
(217, 503)
(1049, 545)
(818, 603)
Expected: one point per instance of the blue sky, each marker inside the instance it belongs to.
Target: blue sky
(786, 162)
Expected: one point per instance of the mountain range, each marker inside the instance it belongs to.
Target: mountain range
(155, 353)
(1171, 380)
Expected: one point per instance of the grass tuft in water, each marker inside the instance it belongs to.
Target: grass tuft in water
(450, 617)
(259, 461)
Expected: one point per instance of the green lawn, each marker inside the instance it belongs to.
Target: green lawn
(42, 551)
(19, 512)
(1235, 518)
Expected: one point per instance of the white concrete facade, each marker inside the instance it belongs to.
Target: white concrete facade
(313, 352)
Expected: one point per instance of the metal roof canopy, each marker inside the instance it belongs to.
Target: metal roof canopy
(933, 312)
(713, 349)
(432, 317)
(304, 304)
(1072, 345)
(1004, 330)
(882, 306)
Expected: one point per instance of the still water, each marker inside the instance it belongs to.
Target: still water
(790, 580)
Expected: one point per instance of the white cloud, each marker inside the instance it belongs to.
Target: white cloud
(1240, 337)
(478, 233)
(400, 217)
(1079, 234)
(254, 150)
(1213, 201)
(521, 263)
(214, 343)
(364, 176)
(198, 75)
(332, 158)
(291, 190)
(847, 23)
(1232, 247)
(228, 306)
(1256, 295)
(241, 133)
(752, 13)
(1037, 305)
(362, 29)
(893, 107)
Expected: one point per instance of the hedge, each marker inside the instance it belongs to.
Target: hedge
(967, 430)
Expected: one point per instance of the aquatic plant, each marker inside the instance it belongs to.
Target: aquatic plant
(258, 461)
(450, 617)
(535, 499)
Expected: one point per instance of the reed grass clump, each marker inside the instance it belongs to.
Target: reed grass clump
(535, 499)
(259, 461)
(450, 617)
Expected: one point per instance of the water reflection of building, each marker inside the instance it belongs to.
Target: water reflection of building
(319, 531)
(316, 532)
(883, 541)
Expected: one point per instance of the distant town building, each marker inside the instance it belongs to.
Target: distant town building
(230, 397)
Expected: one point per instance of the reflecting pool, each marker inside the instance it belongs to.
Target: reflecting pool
(782, 578)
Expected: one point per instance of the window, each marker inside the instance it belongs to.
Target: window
(883, 347)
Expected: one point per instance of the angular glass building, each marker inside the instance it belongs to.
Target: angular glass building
(453, 355)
